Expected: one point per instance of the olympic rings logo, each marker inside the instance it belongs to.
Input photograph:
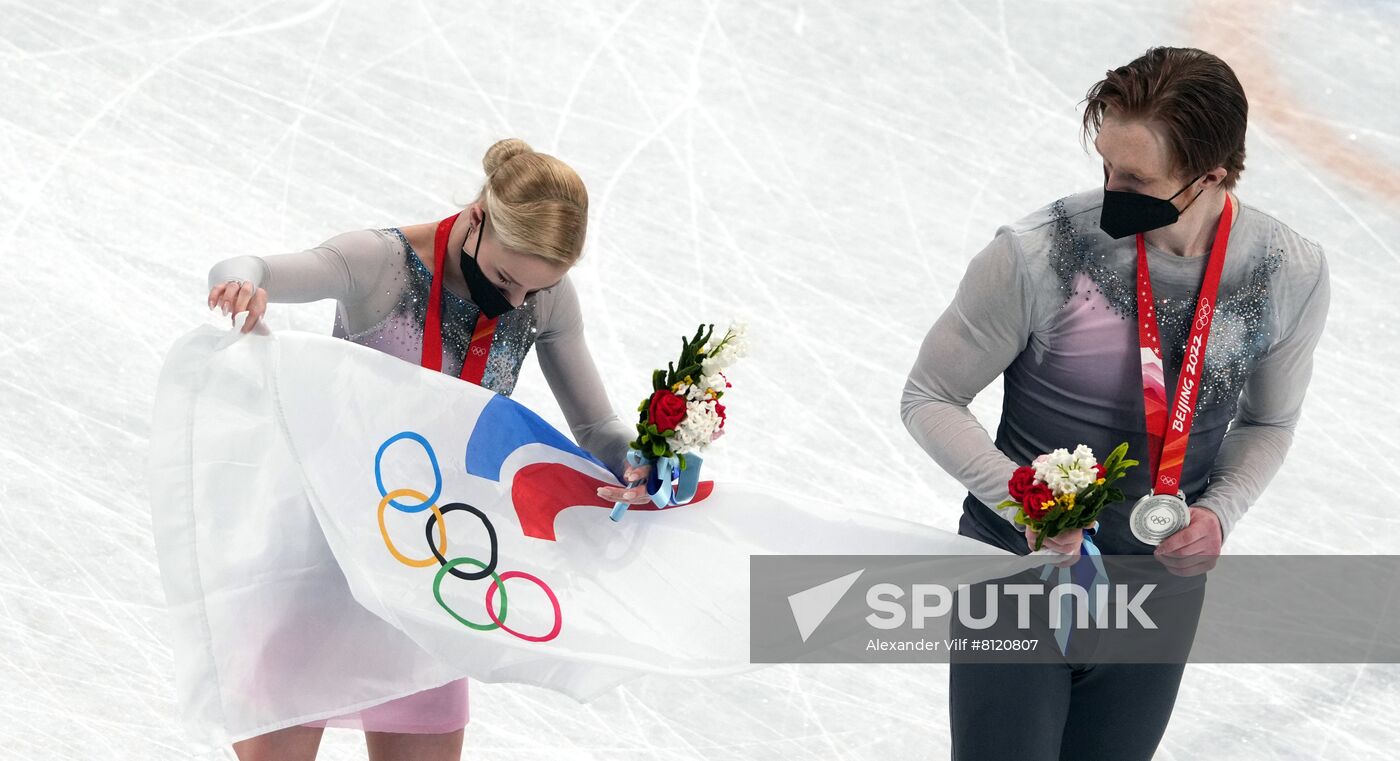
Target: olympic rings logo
(1161, 520)
(437, 520)
(1204, 309)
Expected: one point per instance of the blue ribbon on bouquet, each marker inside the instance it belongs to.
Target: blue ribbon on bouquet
(1088, 573)
(663, 471)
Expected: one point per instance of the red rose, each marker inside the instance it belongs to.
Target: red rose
(1100, 470)
(719, 410)
(1036, 496)
(666, 410)
(1020, 481)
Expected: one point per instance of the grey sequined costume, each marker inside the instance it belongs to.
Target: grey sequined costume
(1051, 304)
(381, 288)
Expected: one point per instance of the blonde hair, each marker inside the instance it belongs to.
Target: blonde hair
(536, 203)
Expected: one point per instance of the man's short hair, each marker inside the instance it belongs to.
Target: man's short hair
(1191, 97)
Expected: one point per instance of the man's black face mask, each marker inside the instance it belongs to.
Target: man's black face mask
(1127, 214)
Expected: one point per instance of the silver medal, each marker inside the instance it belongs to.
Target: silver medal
(1157, 516)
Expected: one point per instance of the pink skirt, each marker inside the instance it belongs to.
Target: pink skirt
(431, 712)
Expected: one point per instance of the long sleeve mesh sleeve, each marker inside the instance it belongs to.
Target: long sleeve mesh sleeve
(345, 268)
(573, 377)
(985, 327)
(1261, 432)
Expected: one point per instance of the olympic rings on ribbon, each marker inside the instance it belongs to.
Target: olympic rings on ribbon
(432, 457)
(439, 549)
(486, 570)
(442, 530)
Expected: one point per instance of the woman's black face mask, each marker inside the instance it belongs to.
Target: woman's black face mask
(1127, 214)
(487, 297)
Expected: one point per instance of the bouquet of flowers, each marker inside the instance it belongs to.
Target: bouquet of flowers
(684, 415)
(1063, 491)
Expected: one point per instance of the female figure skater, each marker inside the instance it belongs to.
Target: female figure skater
(468, 295)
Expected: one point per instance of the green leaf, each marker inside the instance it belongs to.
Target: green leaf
(1117, 454)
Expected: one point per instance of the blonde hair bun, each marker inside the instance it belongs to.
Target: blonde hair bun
(503, 151)
(537, 203)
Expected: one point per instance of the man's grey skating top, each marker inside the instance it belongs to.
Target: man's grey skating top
(1051, 303)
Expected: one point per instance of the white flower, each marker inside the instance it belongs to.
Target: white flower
(738, 333)
(716, 381)
(723, 353)
(1066, 473)
(1047, 464)
(700, 427)
(1084, 458)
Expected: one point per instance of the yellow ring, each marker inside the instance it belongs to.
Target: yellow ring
(384, 531)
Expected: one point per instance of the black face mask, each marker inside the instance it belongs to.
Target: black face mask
(484, 293)
(1127, 214)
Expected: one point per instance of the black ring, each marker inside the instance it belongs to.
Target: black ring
(490, 531)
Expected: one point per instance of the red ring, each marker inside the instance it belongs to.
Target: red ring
(491, 611)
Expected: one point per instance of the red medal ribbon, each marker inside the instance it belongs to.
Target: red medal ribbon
(474, 363)
(1168, 429)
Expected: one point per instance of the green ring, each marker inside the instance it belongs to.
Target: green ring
(437, 592)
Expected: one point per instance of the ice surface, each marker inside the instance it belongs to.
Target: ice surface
(824, 169)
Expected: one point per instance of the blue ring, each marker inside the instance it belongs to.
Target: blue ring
(437, 473)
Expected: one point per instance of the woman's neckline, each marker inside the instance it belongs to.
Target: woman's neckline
(429, 270)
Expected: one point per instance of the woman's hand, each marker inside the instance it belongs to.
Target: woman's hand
(1068, 543)
(632, 495)
(237, 296)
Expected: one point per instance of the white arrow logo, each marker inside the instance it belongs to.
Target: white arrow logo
(811, 606)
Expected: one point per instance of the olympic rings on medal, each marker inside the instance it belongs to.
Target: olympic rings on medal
(486, 570)
(438, 520)
(437, 472)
